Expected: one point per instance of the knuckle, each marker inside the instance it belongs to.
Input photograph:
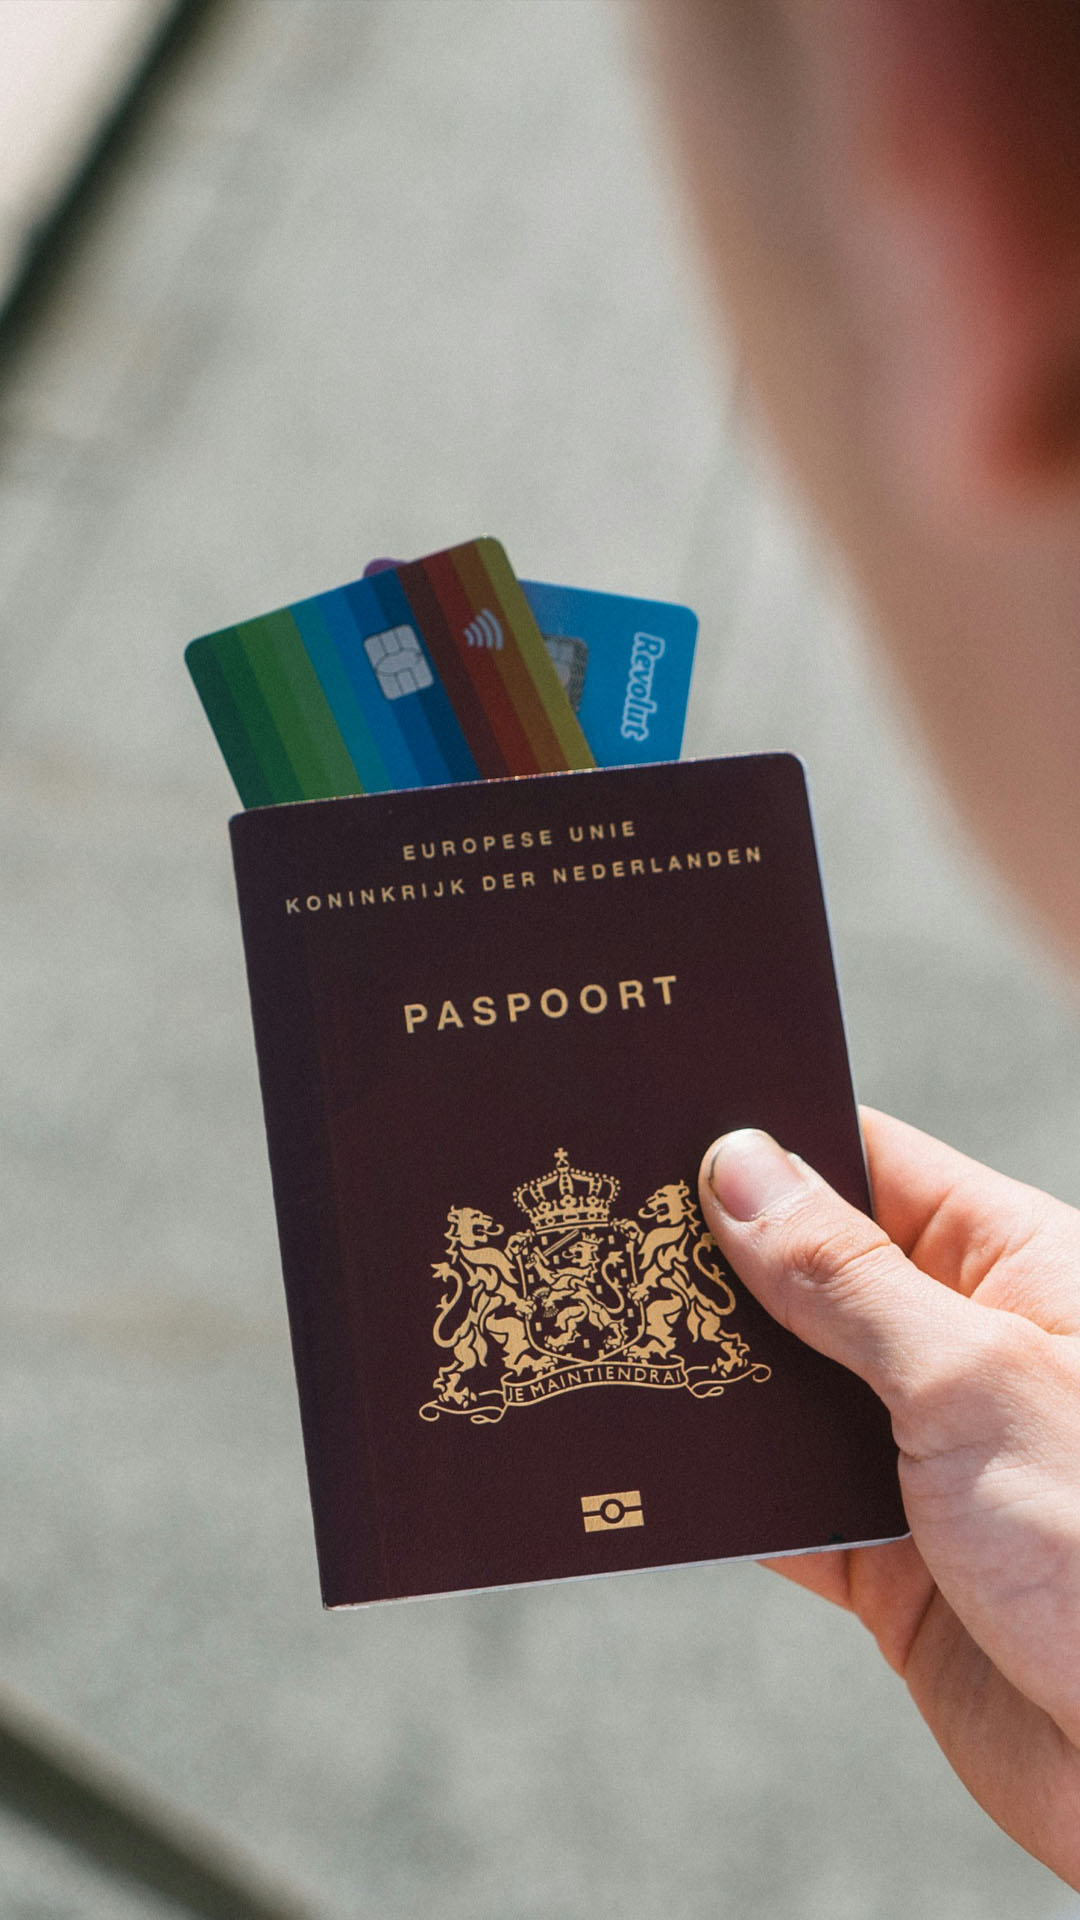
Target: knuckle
(971, 1393)
(935, 1410)
(1012, 1360)
(817, 1257)
(1000, 1342)
(840, 1257)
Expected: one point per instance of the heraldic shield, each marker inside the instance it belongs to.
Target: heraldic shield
(578, 1299)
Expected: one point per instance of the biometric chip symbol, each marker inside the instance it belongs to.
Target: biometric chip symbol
(399, 662)
(603, 1512)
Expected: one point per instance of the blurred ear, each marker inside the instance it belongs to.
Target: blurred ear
(969, 139)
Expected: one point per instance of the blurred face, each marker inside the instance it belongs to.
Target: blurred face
(889, 191)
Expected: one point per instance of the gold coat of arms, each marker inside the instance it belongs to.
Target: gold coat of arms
(577, 1299)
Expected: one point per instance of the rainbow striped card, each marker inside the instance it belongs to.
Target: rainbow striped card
(625, 664)
(425, 674)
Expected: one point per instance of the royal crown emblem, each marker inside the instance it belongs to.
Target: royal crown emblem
(567, 1197)
(579, 1299)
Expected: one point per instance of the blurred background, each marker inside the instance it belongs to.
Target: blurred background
(351, 277)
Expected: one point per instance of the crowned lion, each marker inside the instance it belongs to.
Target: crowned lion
(482, 1306)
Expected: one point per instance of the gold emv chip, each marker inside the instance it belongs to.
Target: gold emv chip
(603, 1512)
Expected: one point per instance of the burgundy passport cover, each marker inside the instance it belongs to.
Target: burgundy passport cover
(497, 1025)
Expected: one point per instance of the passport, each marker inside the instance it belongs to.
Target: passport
(497, 1025)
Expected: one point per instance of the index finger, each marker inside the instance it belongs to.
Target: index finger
(961, 1221)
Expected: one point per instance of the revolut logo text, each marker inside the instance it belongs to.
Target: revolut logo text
(639, 705)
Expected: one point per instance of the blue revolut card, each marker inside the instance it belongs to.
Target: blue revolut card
(625, 665)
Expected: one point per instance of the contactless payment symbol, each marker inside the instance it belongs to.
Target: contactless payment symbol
(485, 631)
(603, 1512)
(426, 673)
(399, 661)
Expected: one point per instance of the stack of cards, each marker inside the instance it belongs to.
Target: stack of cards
(439, 670)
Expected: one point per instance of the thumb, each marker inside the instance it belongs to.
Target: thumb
(826, 1271)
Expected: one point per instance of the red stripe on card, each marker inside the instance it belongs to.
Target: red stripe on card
(480, 662)
(423, 594)
(514, 689)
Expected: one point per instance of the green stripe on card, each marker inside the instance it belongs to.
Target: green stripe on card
(283, 637)
(227, 721)
(282, 705)
(257, 716)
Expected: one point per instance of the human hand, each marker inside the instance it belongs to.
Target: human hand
(961, 1308)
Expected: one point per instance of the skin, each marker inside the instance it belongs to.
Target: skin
(886, 195)
(961, 1307)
